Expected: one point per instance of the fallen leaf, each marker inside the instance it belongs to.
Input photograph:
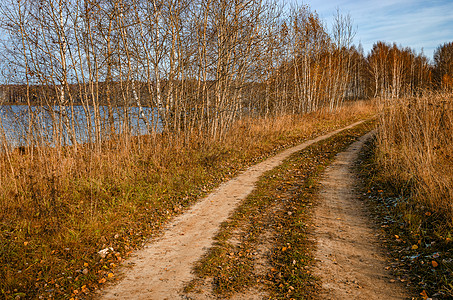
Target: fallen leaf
(25, 243)
(435, 264)
(84, 289)
(414, 247)
(102, 280)
(85, 264)
(397, 236)
(424, 295)
(111, 275)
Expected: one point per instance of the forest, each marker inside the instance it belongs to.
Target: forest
(200, 65)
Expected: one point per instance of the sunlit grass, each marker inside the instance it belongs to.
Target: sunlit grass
(59, 207)
(415, 146)
(408, 175)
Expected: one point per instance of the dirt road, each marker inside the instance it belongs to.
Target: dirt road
(349, 260)
(162, 268)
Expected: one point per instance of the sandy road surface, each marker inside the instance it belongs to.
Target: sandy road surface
(349, 260)
(163, 267)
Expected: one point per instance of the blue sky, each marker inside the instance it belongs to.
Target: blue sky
(411, 23)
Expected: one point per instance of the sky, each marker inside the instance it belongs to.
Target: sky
(416, 24)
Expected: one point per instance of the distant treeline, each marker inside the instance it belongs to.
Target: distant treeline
(201, 64)
(398, 72)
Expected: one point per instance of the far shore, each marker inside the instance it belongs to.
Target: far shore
(78, 104)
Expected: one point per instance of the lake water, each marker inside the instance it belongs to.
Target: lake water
(62, 123)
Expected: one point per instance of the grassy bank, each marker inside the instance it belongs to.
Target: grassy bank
(60, 207)
(263, 249)
(415, 142)
(408, 174)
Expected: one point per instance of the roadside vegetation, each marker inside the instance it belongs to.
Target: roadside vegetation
(408, 171)
(60, 208)
(263, 249)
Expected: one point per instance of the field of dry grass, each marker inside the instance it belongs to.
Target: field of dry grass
(60, 206)
(415, 143)
(408, 176)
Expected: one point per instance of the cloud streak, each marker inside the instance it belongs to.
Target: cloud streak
(410, 23)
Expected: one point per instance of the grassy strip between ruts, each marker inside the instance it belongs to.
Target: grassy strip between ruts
(418, 239)
(70, 206)
(263, 249)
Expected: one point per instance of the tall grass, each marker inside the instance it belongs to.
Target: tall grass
(60, 205)
(415, 148)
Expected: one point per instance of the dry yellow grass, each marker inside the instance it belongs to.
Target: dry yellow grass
(60, 206)
(415, 147)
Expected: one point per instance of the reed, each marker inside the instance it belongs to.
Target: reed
(415, 146)
(59, 206)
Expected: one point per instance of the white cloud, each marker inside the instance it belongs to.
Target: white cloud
(410, 23)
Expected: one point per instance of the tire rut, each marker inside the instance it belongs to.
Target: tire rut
(162, 268)
(349, 259)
